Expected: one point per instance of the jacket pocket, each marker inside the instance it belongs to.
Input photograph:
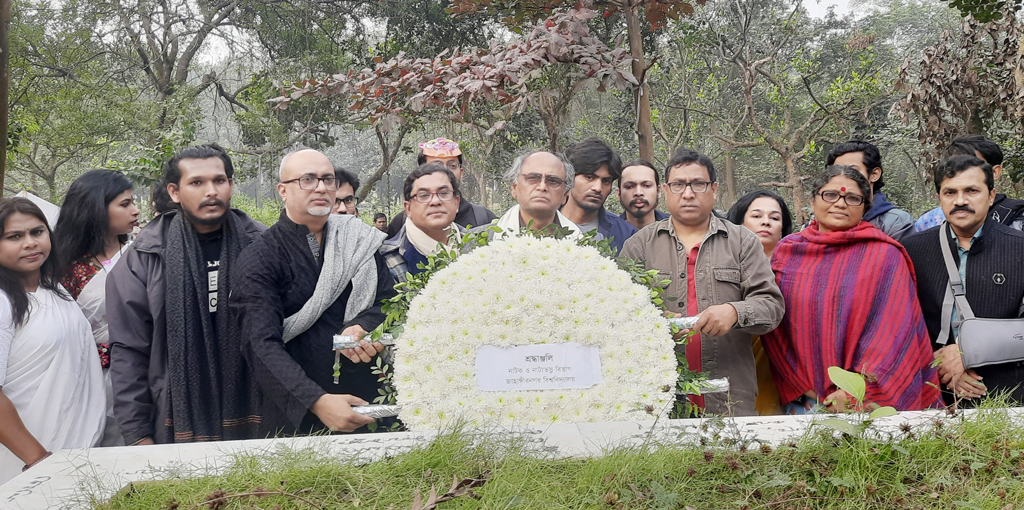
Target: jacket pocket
(727, 284)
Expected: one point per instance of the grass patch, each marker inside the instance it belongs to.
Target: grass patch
(972, 462)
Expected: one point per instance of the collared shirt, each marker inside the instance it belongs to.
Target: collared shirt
(963, 270)
(728, 268)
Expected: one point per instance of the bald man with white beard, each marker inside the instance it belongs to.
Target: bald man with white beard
(289, 316)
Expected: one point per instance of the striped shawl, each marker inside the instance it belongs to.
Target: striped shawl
(851, 302)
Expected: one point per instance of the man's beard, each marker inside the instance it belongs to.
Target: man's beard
(637, 213)
(319, 211)
(207, 221)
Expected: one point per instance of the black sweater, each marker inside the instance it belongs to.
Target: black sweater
(273, 279)
(994, 287)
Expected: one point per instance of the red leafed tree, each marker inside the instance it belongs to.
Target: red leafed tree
(656, 12)
(541, 71)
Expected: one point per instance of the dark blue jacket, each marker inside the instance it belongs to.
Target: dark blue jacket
(614, 228)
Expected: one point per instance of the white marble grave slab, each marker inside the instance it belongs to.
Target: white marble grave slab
(73, 478)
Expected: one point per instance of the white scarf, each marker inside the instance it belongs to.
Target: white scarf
(423, 243)
(509, 223)
(351, 245)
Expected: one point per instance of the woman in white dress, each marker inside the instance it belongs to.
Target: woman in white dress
(51, 386)
(96, 218)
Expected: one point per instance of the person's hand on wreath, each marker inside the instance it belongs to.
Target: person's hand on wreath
(366, 351)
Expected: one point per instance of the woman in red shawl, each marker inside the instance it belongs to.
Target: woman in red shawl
(851, 302)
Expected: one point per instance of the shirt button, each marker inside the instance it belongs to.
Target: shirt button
(679, 247)
(682, 304)
(682, 275)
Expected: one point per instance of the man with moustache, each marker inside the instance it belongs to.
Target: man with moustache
(989, 256)
(540, 182)
(174, 363)
(639, 189)
(431, 201)
(597, 167)
(1008, 211)
(718, 271)
(310, 276)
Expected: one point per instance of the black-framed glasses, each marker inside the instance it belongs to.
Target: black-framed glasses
(851, 199)
(552, 181)
(679, 187)
(349, 201)
(424, 196)
(310, 182)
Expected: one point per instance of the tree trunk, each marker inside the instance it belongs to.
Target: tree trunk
(5, 73)
(388, 154)
(730, 178)
(641, 94)
(798, 190)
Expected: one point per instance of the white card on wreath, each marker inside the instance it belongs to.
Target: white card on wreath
(537, 367)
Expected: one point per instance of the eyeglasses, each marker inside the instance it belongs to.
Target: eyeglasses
(310, 182)
(349, 201)
(425, 196)
(679, 187)
(534, 179)
(834, 196)
(453, 165)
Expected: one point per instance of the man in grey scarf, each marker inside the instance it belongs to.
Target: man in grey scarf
(174, 363)
(311, 276)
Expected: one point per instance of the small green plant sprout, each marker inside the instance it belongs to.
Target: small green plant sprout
(854, 384)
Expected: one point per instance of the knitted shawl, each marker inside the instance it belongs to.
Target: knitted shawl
(851, 302)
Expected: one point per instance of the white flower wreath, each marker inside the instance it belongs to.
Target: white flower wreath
(527, 290)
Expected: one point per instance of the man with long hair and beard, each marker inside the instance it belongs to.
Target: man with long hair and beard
(174, 347)
(310, 276)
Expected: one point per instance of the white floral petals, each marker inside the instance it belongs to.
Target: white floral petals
(526, 291)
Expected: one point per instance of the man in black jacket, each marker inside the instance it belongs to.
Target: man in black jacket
(288, 317)
(174, 364)
(989, 257)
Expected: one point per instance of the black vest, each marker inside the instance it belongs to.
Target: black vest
(994, 281)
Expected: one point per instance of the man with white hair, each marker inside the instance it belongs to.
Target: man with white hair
(540, 182)
(312, 275)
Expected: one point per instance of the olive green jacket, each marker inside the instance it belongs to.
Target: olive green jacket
(731, 268)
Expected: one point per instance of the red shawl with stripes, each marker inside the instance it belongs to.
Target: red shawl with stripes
(851, 302)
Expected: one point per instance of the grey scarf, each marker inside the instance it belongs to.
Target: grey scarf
(348, 257)
(209, 392)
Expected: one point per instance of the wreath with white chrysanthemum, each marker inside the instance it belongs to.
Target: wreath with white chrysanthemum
(529, 289)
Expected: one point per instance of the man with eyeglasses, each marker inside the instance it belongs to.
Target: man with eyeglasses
(540, 182)
(345, 200)
(312, 275)
(597, 167)
(431, 200)
(447, 153)
(717, 271)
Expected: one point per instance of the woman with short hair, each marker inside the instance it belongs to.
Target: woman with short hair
(764, 213)
(851, 302)
(51, 388)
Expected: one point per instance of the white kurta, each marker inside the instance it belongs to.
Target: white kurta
(52, 375)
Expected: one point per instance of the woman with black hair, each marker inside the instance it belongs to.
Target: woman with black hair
(765, 214)
(92, 232)
(97, 215)
(51, 387)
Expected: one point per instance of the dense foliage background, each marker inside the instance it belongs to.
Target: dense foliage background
(761, 85)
